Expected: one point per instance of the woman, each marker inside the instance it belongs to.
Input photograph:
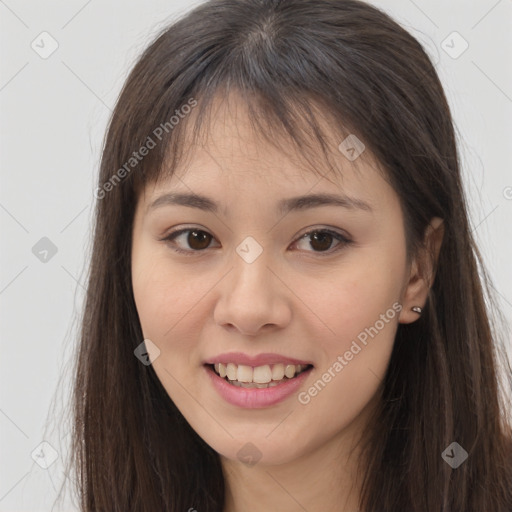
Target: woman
(284, 310)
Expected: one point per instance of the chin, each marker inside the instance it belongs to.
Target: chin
(257, 450)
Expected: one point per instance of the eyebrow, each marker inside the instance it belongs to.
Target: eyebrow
(284, 206)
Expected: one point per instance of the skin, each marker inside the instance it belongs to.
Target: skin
(293, 299)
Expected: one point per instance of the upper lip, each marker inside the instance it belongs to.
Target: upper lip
(257, 360)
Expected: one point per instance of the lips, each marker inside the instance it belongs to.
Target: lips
(256, 397)
(256, 381)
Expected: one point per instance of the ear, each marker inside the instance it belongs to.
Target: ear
(422, 272)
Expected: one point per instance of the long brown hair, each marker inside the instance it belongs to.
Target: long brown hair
(132, 448)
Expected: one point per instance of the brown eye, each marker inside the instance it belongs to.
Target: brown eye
(196, 240)
(321, 240)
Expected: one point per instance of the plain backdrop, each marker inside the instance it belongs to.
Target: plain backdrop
(54, 111)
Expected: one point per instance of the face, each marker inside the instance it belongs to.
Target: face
(265, 287)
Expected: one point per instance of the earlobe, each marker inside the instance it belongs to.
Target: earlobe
(422, 273)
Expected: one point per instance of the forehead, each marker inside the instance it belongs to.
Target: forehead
(234, 130)
(234, 153)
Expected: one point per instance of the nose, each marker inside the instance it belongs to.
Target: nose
(253, 298)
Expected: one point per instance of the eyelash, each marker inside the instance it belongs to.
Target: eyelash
(344, 241)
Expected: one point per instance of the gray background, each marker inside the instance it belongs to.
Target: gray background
(54, 112)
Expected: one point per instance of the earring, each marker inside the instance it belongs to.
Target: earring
(416, 309)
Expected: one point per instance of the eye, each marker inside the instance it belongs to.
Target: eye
(198, 240)
(321, 240)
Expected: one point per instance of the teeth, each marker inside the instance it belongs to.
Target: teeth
(231, 371)
(253, 384)
(289, 371)
(278, 372)
(260, 376)
(244, 373)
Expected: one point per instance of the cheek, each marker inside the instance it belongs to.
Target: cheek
(154, 298)
(354, 298)
(162, 295)
(364, 317)
(361, 310)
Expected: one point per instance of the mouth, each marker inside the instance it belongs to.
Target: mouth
(259, 377)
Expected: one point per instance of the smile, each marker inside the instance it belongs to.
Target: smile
(250, 394)
(260, 376)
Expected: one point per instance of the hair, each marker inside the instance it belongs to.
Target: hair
(294, 62)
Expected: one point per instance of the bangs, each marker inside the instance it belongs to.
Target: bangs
(299, 126)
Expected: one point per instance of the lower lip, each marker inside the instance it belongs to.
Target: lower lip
(256, 398)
